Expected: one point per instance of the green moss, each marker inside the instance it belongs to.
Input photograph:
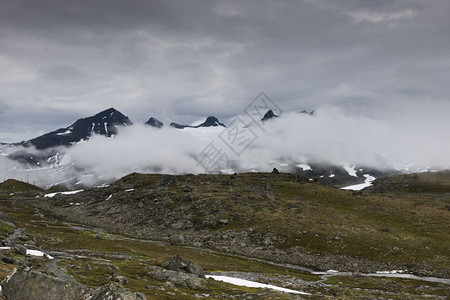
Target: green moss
(14, 186)
(5, 229)
(391, 285)
(410, 228)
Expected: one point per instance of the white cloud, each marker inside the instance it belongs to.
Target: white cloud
(181, 61)
(412, 135)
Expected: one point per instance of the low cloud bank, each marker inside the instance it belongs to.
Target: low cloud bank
(408, 138)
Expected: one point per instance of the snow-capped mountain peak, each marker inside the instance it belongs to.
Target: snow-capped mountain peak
(104, 123)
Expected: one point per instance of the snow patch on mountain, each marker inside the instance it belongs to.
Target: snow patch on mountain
(51, 195)
(357, 187)
(350, 170)
(304, 167)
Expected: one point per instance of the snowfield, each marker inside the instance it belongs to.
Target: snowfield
(350, 170)
(305, 167)
(358, 187)
(51, 195)
(248, 283)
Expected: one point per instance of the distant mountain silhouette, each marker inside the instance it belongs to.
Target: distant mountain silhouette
(211, 121)
(154, 122)
(269, 115)
(104, 123)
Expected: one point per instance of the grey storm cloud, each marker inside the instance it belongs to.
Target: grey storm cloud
(183, 60)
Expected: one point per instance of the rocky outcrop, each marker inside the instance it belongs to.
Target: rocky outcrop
(154, 122)
(179, 264)
(25, 283)
(182, 273)
(179, 279)
(113, 291)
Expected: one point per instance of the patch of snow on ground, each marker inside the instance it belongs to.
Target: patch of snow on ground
(331, 175)
(109, 197)
(358, 187)
(227, 171)
(305, 167)
(129, 190)
(75, 203)
(350, 170)
(327, 272)
(38, 253)
(391, 272)
(248, 283)
(51, 195)
(102, 186)
(31, 252)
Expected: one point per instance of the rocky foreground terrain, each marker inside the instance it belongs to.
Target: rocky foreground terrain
(156, 236)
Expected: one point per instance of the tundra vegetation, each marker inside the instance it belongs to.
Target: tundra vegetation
(271, 228)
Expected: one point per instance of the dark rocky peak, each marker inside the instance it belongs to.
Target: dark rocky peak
(269, 115)
(211, 121)
(154, 123)
(178, 126)
(307, 112)
(104, 123)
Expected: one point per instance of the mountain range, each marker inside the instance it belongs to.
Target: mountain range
(104, 123)
(108, 122)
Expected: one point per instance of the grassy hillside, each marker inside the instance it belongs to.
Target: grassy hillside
(242, 224)
(261, 213)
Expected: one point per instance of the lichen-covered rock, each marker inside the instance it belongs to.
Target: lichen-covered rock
(25, 283)
(113, 291)
(179, 279)
(182, 273)
(120, 279)
(179, 264)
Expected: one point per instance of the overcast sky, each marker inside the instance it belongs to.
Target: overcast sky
(183, 60)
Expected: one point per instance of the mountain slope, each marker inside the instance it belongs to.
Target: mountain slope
(104, 123)
(210, 121)
(278, 217)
